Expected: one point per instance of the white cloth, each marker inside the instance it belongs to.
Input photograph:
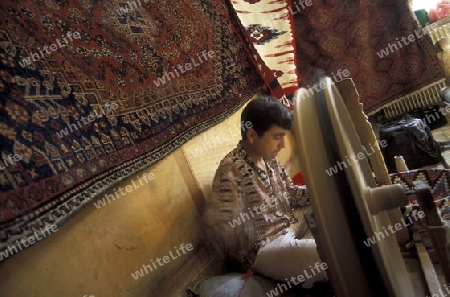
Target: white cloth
(232, 285)
(287, 257)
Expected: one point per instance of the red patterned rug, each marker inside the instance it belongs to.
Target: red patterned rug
(365, 40)
(94, 91)
(349, 35)
(269, 29)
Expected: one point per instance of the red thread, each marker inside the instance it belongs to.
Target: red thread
(246, 278)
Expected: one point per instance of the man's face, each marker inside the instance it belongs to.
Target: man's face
(271, 142)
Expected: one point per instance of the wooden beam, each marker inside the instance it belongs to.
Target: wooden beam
(367, 137)
(436, 229)
(428, 270)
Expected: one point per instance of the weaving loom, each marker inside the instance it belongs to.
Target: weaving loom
(349, 206)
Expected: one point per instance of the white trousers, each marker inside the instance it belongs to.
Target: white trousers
(289, 259)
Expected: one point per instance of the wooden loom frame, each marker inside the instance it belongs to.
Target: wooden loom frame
(394, 285)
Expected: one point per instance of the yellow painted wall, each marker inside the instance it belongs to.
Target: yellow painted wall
(96, 251)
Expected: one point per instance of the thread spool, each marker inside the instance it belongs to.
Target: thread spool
(400, 164)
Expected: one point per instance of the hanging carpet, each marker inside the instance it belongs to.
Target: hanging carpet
(370, 40)
(268, 29)
(360, 39)
(92, 92)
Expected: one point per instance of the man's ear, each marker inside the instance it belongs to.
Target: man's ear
(251, 135)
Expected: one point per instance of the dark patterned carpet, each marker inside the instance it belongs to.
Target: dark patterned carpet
(349, 35)
(115, 77)
(379, 44)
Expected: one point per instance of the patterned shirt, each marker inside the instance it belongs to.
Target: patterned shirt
(249, 208)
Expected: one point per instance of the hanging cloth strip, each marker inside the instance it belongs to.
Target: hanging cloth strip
(269, 29)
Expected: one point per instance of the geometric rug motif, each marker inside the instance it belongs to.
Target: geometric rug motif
(350, 35)
(169, 71)
(438, 181)
(269, 29)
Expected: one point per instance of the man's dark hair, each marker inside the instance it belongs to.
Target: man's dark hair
(264, 112)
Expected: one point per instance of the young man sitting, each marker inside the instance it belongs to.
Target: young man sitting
(248, 216)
